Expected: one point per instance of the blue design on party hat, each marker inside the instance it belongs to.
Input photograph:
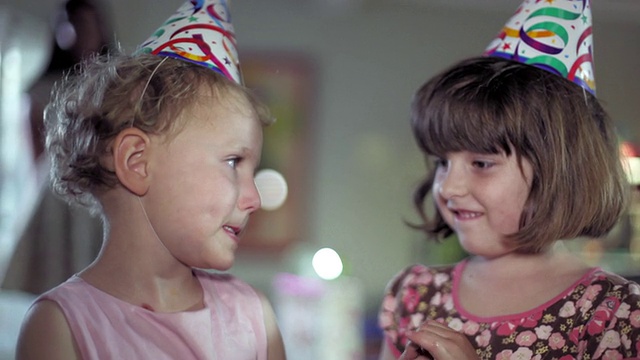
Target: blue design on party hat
(200, 32)
(555, 35)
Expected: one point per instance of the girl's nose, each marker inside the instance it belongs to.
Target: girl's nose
(451, 184)
(249, 197)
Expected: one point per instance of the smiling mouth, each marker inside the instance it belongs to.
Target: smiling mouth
(231, 230)
(466, 215)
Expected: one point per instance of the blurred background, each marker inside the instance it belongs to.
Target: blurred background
(339, 76)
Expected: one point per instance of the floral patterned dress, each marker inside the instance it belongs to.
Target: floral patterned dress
(596, 318)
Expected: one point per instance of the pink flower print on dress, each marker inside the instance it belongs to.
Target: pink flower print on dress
(532, 320)
(612, 355)
(470, 328)
(447, 300)
(506, 329)
(441, 279)
(436, 300)
(543, 331)
(603, 313)
(456, 324)
(634, 318)
(386, 319)
(567, 357)
(504, 355)
(389, 303)
(626, 342)
(526, 338)
(586, 301)
(403, 326)
(524, 353)
(424, 279)
(404, 323)
(484, 338)
(411, 299)
(584, 306)
(575, 335)
(592, 291)
(416, 320)
(567, 310)
(556, 341)
(408, 280)
(596, 325)
(582, 346)
(623, 311)
(611, 339)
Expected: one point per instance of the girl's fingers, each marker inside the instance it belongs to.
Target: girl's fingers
(414, 352)
(410, 352)
(434, 326)
(442, 342)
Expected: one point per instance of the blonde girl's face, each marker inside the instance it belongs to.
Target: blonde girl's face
(481, 197)
(203, 188)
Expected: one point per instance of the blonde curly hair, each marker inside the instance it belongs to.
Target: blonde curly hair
(106, 94)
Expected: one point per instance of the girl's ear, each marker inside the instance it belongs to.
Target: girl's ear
(130, 151)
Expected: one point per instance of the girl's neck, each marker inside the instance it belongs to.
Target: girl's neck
(179, 292)
(133, 264)
(486, 287)
(526, 264)
(143, 275)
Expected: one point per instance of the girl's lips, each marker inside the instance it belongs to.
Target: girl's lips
(232, 231)
(466, 215)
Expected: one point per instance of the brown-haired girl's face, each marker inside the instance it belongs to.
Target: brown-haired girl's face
(481, 197)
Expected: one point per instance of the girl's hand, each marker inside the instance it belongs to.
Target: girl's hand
(435, 341)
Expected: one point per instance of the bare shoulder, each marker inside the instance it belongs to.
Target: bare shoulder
(45, 334)
(274, 337)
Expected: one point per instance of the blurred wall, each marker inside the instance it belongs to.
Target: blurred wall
(369, 61)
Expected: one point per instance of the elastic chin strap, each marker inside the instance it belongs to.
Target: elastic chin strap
(144, 212)
(138, 106)
(144, 91)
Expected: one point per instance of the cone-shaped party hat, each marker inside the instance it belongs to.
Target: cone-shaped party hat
(554, 35)
(200, 31)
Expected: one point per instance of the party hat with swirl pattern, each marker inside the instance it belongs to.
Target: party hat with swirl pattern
(555, 35)
(200, 31)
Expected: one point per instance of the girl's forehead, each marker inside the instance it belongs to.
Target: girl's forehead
(206, 103)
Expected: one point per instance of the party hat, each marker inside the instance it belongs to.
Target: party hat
(554, 35)
(201, 32)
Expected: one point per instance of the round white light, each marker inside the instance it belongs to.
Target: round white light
(272, 188)
(327, 263)
(631, 166)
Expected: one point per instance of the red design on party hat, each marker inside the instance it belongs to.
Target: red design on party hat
(200, 32)
(554, 35)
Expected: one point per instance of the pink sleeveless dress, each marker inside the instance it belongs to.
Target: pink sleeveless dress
(230, 326)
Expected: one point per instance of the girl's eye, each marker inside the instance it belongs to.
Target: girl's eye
(480, 164)
(233, 162)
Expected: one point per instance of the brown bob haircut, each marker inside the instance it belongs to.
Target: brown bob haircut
(490, 105)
